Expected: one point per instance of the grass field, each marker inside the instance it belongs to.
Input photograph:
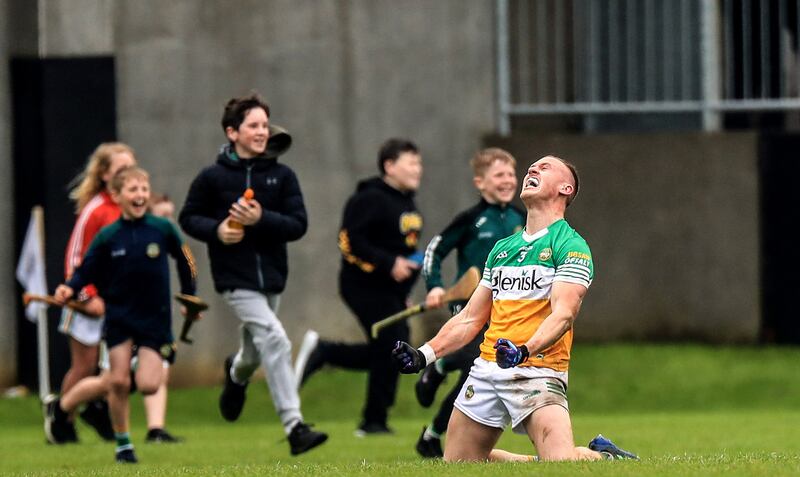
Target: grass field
(686, 410)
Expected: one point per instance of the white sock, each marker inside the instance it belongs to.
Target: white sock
(288, 426)
(430, 434)
(234, 379)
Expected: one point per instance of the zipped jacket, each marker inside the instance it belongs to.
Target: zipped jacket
(259, 261)
(127, 261)
(472, 233)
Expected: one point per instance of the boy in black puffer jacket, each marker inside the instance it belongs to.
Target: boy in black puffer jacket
(246, 240)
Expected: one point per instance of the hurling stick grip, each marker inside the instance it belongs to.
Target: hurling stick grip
(76, 305)
(463, 288)
(400, 316)
(194, 305)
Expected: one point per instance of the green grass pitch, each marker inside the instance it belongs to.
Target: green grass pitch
(686, 410)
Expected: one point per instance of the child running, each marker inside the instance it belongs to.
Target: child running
(127, 262)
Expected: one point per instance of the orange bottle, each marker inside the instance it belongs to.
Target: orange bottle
(248, 195)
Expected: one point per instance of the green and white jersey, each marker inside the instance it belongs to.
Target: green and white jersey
(520, 271)
(472, 233)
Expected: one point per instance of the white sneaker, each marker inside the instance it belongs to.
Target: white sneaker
(310, 341)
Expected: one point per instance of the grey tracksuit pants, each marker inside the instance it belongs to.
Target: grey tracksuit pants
(264, 342)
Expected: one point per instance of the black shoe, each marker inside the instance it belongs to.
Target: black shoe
(231, 401)
(310, 358)
(372, 429)
(427, 384)
(429, 448)
(126, 456)
(158, 435)
(302, 438)
(96, 415)
(57, 427)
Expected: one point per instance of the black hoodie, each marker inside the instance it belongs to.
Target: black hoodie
(379, 223)
(259, 261)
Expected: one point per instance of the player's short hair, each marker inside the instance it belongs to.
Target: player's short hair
(391, 150)
(122, 175)
(575, 178)
(237, 109)
(483, 160)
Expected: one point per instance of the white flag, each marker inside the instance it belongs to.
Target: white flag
(30, 269)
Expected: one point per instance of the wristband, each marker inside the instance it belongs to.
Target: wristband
(427, 351)
(524, 353)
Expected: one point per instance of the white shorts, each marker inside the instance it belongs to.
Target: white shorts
(85, 329)
(105, 364)
(497, 397)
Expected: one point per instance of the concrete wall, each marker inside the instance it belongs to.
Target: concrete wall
(76, 28)
(342, 77)
(671, 219)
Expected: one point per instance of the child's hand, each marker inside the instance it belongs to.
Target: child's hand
(435, 298)
(403, 268)
(63, 293)
(246, 212)
(227, 234)
(95, 306)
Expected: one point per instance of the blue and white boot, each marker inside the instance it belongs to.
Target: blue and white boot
(609, 449)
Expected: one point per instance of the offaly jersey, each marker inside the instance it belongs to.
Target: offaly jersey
(520, 271)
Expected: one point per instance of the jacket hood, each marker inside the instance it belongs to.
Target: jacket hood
(278, 143)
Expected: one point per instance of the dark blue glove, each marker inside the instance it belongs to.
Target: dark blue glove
(508, 354)
(408, 359)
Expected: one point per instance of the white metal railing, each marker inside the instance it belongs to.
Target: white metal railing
(646, 56)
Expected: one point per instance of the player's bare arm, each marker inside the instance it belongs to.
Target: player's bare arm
(565, 303)
(463, 327)
(457, 332)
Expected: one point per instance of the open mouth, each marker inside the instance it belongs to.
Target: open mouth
(532, 182)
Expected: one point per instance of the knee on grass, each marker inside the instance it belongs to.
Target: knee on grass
(565, 454)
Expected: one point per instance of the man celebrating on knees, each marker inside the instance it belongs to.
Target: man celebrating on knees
(532, 288)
